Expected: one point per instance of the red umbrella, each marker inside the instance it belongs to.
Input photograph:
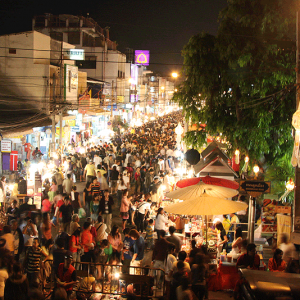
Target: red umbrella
(208, 180)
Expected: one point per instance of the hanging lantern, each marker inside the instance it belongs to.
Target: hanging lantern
(237, 156)
(192, 156)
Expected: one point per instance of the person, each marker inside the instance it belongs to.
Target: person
(124, 208)
(138, 252)
(171, 259)
(67, 185)
(89, 172)
(29, 231)
(198, 276)
(16, 286)
(24, 207)
(74, 224)
(101, 228)
(66, 211)
(126, 256)
(87, 243)
(18, 239)
(46, 227)
(9, 238)
(75, 199)
(113, 179)
(75, 247)
(94, 206)
(288, 248)
(160, 251)
(12, 211)
(87, 197)
(33, 258)
(66, 275)
(276, 263)
(234, 220)
(237, 242)
(149, 235)
(160, 222)
(177, 278)
(174, 239)
(123, 185)
(59, 254)
(223, 236)
(249, 260)
(115, 240)
(105, 209)
(142, 210)
(95, 186)
(226, 223)
(184, 290)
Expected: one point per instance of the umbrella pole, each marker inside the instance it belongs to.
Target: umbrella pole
(206, 230)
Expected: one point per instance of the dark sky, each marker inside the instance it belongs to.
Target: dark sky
(161, 26)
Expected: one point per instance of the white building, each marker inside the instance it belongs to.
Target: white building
(102, 62)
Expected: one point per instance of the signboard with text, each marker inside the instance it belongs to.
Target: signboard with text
(6, 146)
(255, 187)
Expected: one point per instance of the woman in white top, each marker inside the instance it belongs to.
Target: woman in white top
(160, 222)
(100, 230)
(123, 184)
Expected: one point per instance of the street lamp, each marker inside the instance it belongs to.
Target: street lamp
(174, 75)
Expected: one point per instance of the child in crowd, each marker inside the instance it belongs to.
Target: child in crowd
(149, 235)
(126, 252)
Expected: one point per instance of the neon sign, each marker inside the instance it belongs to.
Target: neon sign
(142, 57)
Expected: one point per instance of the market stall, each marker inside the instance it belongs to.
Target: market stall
(205, 205)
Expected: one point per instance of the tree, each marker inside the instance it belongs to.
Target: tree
(245, 77)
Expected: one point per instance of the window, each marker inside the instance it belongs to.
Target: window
(12, 51)
(74, 37)
(87, 40)
(56, 36)
(90, 62)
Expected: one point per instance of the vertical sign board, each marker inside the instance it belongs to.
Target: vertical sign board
(38, 190)
(5, 149)
(71, 83)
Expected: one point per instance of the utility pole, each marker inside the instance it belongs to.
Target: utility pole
(61, 85)
(52, 148)
(112, 99)
(296, 207)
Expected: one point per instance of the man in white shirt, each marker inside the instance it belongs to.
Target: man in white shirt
(142, 210)
(97, 160)
(169, 152)
(288, 249)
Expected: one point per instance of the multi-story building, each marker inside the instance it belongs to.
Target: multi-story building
(40, 83)
(103, 62)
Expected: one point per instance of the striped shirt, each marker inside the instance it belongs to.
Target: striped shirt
(34, 258)
(149, 232)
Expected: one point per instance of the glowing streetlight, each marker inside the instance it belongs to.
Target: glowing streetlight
(256, 170)
(174, 75)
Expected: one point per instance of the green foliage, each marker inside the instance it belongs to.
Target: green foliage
(241, 82)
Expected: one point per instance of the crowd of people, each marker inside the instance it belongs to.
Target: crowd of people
(76, 232)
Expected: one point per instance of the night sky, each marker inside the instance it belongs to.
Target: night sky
(161, 26)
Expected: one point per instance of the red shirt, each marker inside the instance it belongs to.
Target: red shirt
(59, 204)
(86, 239)
(46, 205)
(27, 147)
(74, 239)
